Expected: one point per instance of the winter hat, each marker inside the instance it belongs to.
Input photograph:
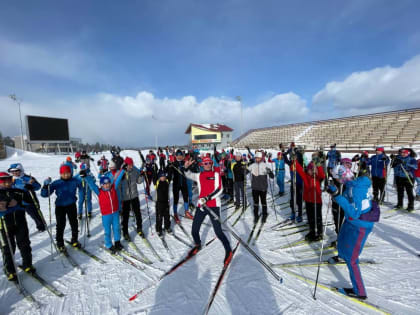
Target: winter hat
(208, 154)
(112, 164)
(16, 167)
(65, 169)
(381, 149)
(310, 166)
(402, 151)
(258, 154)
(128, 161)
(279, 154)
(292, 144)
(206, 160)
(345, 160)
(83, 166)
(104, 180)
(5, 177)
(179, 152)
(68, 159)
(162, 173)
(333, 146)
(77, 155)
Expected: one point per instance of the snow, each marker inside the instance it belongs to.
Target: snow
(247, 288)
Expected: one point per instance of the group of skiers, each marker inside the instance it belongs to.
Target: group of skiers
(217, 176)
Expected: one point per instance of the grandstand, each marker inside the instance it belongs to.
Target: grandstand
(389, 129)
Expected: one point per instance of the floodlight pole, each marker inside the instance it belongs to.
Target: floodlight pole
(14, 98)
(242, 118)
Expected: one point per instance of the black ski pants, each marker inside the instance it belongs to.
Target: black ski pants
(33, 213)
(175, 191)
(127, 206)
(299, 196)
(378, 185)
(18, 232)
(314, 214)
(404, 183)
(162, 214)
(258, 195)
(239, 193)
(60, 216)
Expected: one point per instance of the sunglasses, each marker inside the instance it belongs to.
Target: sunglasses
(206, 163)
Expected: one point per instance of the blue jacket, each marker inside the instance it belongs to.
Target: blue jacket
(20, 182)
(379, 164)
(279, 165)
(355, 201)
(91, 182)
(333, 157)
(65, 191)
(409, 164)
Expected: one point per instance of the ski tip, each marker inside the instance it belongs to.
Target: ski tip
(133, 297)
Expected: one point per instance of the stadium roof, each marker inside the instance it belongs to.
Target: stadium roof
(209, 127)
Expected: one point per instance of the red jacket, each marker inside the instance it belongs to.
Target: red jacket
(209, 184)
(108, 201)
(311, 184)
(417, 171)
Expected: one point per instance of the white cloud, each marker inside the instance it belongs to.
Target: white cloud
(382, 88)
(127, 120)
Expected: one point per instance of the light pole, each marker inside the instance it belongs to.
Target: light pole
(14, 98)
(242, 122)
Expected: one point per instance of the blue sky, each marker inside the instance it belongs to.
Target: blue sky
(186, 61)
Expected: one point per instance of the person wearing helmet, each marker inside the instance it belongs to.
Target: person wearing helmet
(162, 202)
(85, 194)
(65, 189)
(404, 167)
(179, 183)
(259, 184)
(109, 206)
(29, 184)
(210, 189)
(13, 226)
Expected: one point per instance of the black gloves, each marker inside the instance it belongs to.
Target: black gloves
(83, 173)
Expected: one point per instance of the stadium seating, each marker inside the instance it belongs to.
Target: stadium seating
(389, 129)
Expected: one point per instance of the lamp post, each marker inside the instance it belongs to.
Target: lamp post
(242, 122)
(14, 98)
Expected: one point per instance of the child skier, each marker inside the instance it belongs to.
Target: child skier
(13, 227)
(162, 203)
(239, 180)
(109, 206)
(279, 163)
(65, 205)
(85, 194)
(312, 180)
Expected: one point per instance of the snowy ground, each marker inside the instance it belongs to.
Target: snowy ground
(248, 288)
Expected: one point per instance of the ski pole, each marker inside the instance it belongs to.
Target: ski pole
(49, 209)
(245, 245)
(408, 176)
(322, 248)
(85, 188)
(45, 224)
(272, 194)
(3, 227)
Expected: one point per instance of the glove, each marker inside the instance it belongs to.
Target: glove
(47, 181)
(397, 162)
(392, 156)
(269, 155)
(124, 166)
(83, 173)
(28, 186)
(204, 200)
(332, 190)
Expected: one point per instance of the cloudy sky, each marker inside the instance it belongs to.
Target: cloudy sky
(124, 72)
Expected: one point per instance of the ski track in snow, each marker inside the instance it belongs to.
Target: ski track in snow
(247, 288)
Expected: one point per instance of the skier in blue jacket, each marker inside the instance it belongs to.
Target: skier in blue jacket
(279, 164)
(29, 184)
(85, 194)
(379, 167)
(333, 158)
(404, 166)
(65, 189)
(360, 215)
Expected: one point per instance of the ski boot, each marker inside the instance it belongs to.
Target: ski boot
(228, 258)
(237, 207)
(169, 230)
(118, 246)
(89, 215)
(159, 233)
(292, 217)
(29, 269)
(410, 208)
(176, 218)
(62, 249)
(113, 250)
(80, 216)
(281, 194)
(188, 215)
(310, 237)
(350, 292)
(333, 260)
(76, 244)
(398, 207)
(264, 217)
(299, 219)
(11, 276)
(140, 233)
(126, 237)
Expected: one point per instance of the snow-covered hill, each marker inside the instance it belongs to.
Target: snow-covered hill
(392, 283)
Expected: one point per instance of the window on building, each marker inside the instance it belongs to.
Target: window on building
(205, 137)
